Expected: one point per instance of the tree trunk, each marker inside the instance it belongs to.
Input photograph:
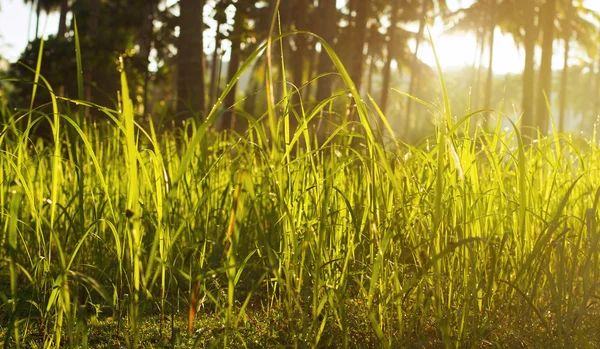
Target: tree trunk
(62, 21)
(391, 54)
(528, 120)
(414, 69)
(190, 59)
(549, 12)
(473, 72)
(327, 32)
(215, 63)
(146, 40)
(91, 28)
(563, 85)
(38, 13)
(356, 60)
(312, 58)
(229, 118)
(370, 75)
(298, 57)
(490, 74)
(477, 90)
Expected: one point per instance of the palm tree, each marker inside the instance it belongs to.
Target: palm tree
(391, 52)
(359, 35)
(547, 26)
(48, 6)
(62, 21)
(484, 17)
(426, 6)
(250, 21)
(574, 24)
(299, 22)
(190, 58)
(220, 17)
(235, 37)
(527, 20)
(327, 30)
(567, 37)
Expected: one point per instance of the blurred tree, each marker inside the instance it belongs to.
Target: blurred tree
(327, 29)
(527, 17)
(250, 25)
(360, 10)
(391, 51)
(397, 49)
(300, 9)
(62, 21)
(575, 23)
(190, 59)
(220, 18)
(107, 29)
(376, 44)
(547, 26)
(426, 8)
(47, 6)
(483, 17)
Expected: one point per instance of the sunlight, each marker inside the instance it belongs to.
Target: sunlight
(460, 50)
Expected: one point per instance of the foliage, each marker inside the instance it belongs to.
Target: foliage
(467, 239)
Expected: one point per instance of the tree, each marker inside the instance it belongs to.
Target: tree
(327, 30)
(547, 26)
(47, 6)
(359, 34)
(299, 22)
(527, 22)
(62, 21)
(391, 52)
(574, 24)
(235, 37)
(397, 48)
(220, 17)
(190, 58)
(425, 6)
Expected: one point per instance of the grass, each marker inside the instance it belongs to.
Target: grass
(116, 233)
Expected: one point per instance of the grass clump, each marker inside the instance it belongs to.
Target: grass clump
(117, 234)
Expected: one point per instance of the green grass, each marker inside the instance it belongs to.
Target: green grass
(471, 239)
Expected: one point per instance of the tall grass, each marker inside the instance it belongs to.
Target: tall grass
(471, 239)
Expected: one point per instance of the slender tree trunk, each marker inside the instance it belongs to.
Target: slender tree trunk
(563, 85)
(29, 21)
(391, 54)
(229, 121)
(190, 59)
(528, 119)
(146, 40)
(38, 13)
(92, 32)
(327, 31)
(357, 59)
(312, 60)
(490, 74)
(477, 92)
(370, 75)
(473, 72)
(299, 55)
(62, 21)
(548, 15)
(414, 67)
(232, 68)
(298, 59)
(214, 64)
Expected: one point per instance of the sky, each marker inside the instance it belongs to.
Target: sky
(454, 50)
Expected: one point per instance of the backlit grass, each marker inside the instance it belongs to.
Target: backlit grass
(469, 239)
